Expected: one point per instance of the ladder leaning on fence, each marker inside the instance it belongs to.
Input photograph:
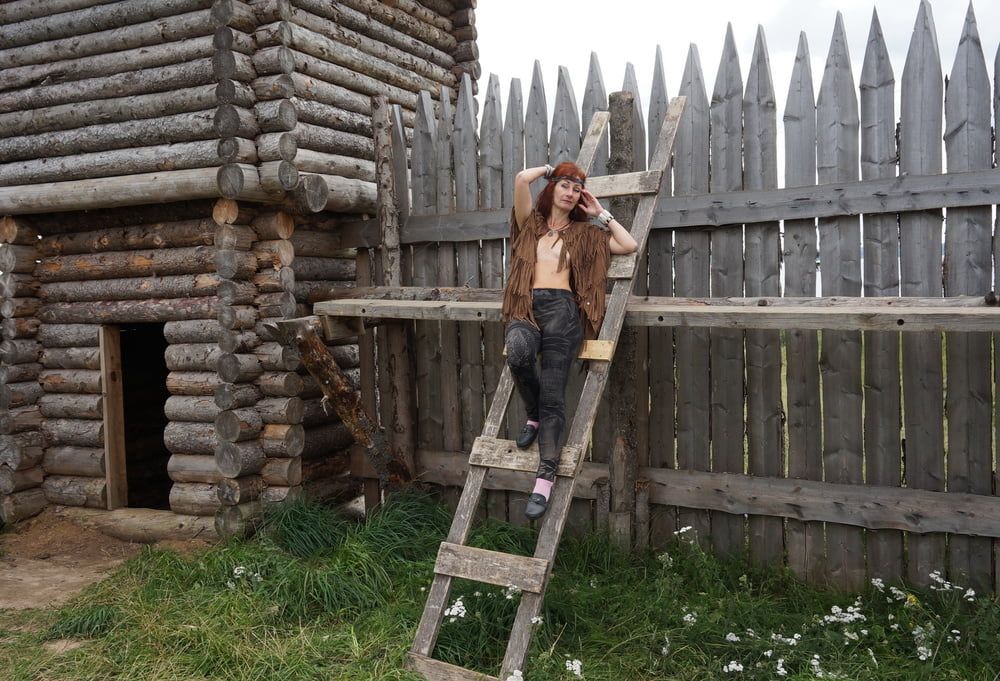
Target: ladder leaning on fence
(531, 574)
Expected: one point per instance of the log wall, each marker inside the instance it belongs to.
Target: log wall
(21, 436)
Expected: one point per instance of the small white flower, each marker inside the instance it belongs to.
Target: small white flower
(457, 610)
(257, 578)
(878, 583)
(665, 560)
(969, 595)
(515, 676)
(690, 618)
(239, 571)
(683, 530)
(850, 636)
(510, 592)
(732, 638)
(780, 669)
(872, 655)
(733, 666)
(230, 584)
(751, 633)
(768, 653)
(537, 619)
(894, 626)
(924, 653)
(575, 667)
(665, 648)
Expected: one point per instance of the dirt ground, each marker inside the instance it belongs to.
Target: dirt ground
(47, 560)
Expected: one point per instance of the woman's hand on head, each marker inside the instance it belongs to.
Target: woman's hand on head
(590, 205)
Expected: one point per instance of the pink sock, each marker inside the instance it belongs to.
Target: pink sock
(532, 423)
(543, 487)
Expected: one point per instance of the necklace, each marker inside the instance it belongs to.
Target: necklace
(555, 230)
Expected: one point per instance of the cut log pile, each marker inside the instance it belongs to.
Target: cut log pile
(21, 437)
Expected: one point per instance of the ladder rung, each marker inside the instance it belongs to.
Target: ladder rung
(622, 266)
(491, 567)
(625, 184)
(496, 453)
(435, 670)
(591, 349)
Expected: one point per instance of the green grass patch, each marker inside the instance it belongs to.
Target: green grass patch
(318, 596)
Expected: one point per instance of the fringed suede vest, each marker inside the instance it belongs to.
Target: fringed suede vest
(585, 245)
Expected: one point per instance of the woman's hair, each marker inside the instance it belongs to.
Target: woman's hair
(544, 202)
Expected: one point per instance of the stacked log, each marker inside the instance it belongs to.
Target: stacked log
(21, 439)
(237, 454)
(125, 89)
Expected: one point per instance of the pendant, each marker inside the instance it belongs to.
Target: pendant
(552, 232)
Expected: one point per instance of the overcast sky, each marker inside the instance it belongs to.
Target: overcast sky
(513, 33)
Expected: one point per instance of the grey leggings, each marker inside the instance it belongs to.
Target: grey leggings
(558, 338)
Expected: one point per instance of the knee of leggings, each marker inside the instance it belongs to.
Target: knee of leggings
(519, 350)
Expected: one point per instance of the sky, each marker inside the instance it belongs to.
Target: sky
(514, 33)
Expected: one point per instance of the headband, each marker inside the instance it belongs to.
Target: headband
(568, 177)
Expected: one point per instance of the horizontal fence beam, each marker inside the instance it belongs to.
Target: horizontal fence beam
(868, 506)
(891, 195)
(866, 314)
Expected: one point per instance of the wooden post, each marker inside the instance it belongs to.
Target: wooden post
(402, 421)
(624, 465)
(114, 417)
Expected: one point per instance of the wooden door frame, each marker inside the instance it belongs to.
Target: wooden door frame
(114, 416)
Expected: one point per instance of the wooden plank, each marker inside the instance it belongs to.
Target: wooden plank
(536, 132)
(967, 271)
(366, 367)
(467, 258)
(513, 163)
(727, 280)
(491, 567)
(450, 393)
(920, 275)
(837, 156)
(491, 171)
(638, 182)
(691, 263)
(435, 670)
(804, 542)
(496, 453)
(765, 412)
(708, 211)
(115, 470)
(882, 428)
(595, 99)
(564, 139)
(872, 507)
(427, 335)
(708, 313)
(660, 351)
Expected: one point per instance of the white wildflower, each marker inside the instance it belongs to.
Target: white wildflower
(791, 641)
(456, 611)
(683, 530)
(575, 667)
(751, 633)
(898, 594)
(894, 626)
(878, 583)
(732, 638)
(239, 571)
(537, 619)
(257, 578)
(665, 648)
(768, 653)
(230, 584)
(850, 636)
(477, 594)
(510, 592)
(780, 669)
(690, 618)
(733, 666)
(872, 655)
(839, 616)
(969, 595)
(924, 653)
(515, 676)
(665, 560)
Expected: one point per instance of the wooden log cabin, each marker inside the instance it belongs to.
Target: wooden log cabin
(172, 174)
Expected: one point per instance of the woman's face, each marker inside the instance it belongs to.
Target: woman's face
(566, 194)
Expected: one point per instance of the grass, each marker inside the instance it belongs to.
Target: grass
(321, 597)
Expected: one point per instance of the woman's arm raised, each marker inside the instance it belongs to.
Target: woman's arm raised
(522, 190)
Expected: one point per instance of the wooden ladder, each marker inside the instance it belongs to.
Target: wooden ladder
(531, 574)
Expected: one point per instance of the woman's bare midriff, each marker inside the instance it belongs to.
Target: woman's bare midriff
(546, 264)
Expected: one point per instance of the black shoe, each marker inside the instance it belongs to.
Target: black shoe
(536, 506)
(527, 436)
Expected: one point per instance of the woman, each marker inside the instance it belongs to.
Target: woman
(553, 300)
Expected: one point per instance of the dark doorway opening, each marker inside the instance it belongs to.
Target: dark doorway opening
(144, 391)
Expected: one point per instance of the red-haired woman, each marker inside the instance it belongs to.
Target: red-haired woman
(553, 300)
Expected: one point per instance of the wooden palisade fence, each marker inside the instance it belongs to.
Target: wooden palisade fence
(814, 431)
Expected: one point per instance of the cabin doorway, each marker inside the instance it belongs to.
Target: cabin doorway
(136, 458)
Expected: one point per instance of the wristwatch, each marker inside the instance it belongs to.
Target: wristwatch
(605, 217)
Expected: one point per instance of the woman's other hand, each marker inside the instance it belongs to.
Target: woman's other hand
(590, 205)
